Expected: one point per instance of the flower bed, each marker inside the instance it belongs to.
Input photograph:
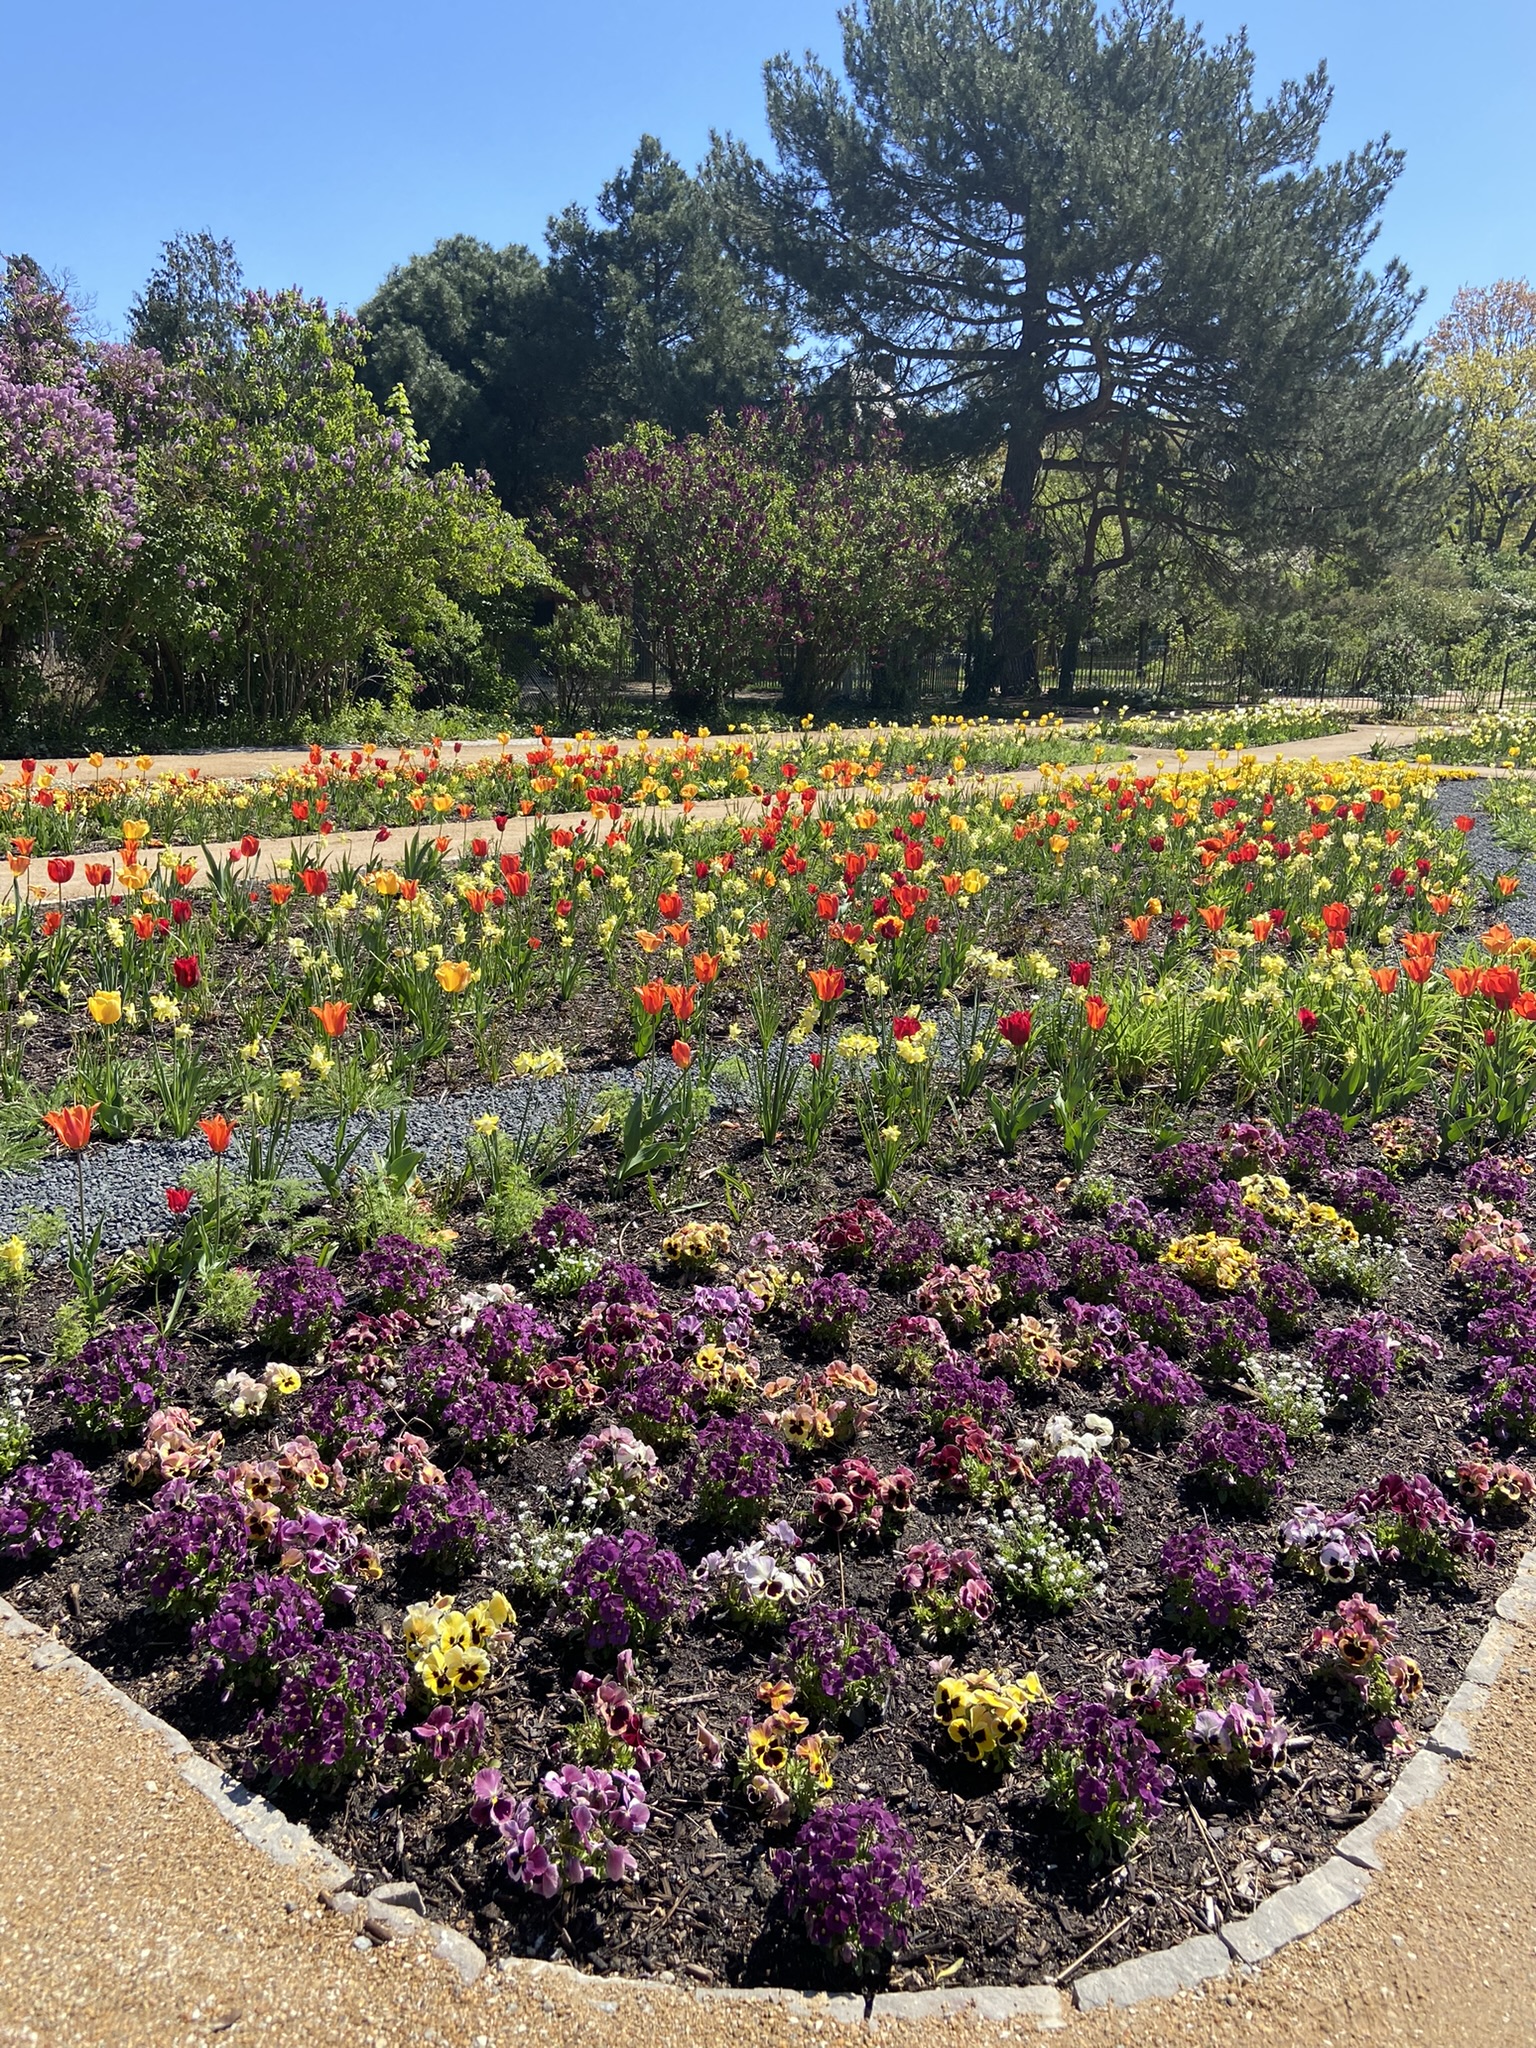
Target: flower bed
(653, 1682)
(991, 1445)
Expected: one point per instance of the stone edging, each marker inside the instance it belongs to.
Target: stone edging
(393, 1912)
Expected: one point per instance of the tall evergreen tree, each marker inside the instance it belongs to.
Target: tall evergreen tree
(521, 367)
(1077, 234)
(191, 298)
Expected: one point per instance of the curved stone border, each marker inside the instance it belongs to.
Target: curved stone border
(393, 1912)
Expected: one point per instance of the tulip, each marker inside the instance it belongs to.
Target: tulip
(60, 871)
(1501, 985)
(178, 1200)
(1096, 1010)
(1307, 1019)
(72, 1126)
(331, 1017)
(830, 983)
(1079, 972)
(681, 1001)
(1385, 979)
(706, 968)
(218, 1130)
(1213, 916)
(279, 892)
(106, 1007)
(453, 976)
(905, 1027)
(98, 873)
(682, 1054)
(187, 971)
(1498, 939)
(1015, 1028)
(653, 998)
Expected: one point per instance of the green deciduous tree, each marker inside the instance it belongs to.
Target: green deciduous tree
(1482, 367)
(191, 298)
(1079, 235)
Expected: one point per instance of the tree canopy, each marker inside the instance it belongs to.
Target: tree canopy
(1079, 235)
(1483, 369)
(521, 366)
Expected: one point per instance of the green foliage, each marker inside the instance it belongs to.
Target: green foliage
(228, 1297)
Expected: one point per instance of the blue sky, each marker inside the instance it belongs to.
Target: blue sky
(330, 139)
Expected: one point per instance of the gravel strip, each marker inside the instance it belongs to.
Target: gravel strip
(1489, 856)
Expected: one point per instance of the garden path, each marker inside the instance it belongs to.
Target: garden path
(275, 855)
(131, 1916)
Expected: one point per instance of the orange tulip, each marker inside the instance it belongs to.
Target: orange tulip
(1385, 979)
(279, 892)
(98, 873)
(1138, 929)
(682, 1054)
(653, 998)
(648, 942)
(1261, 927)
(681, 1000)
(1501, 985)
(1213, 916)
(331, 1017)
(1463, 980)
(218, 1130)
(1420, 945)
(1441, 905)
(1096, 1010)
(1419, 969)
(1498, 939)
(72, 1126)
(1506, 884)
(828, 982)
(706, 968)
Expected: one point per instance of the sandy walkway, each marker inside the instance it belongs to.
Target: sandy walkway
(132, 1917)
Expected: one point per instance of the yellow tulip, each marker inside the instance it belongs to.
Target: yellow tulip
(453, 976)
(106, 1007)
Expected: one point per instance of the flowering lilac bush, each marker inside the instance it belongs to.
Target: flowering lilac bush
(826, 1308)
(1240, 1461)
(1101, 1773)
(333, 1710)
(454, 1525)
(840, 1664)
(1212, 1584)
(296, 1304)
(45, 1507)
(626, 1590)
(187, 1549)
(260, 1626)
(1414, 1524)
(853, 1881)
(1152, 1395)
(734, 1471)
(399, 1273)
(115, 1382)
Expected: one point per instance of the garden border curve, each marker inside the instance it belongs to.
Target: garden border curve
(388, 1913)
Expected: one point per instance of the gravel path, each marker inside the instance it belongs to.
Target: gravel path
(132, 1917)
(1465, 799)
